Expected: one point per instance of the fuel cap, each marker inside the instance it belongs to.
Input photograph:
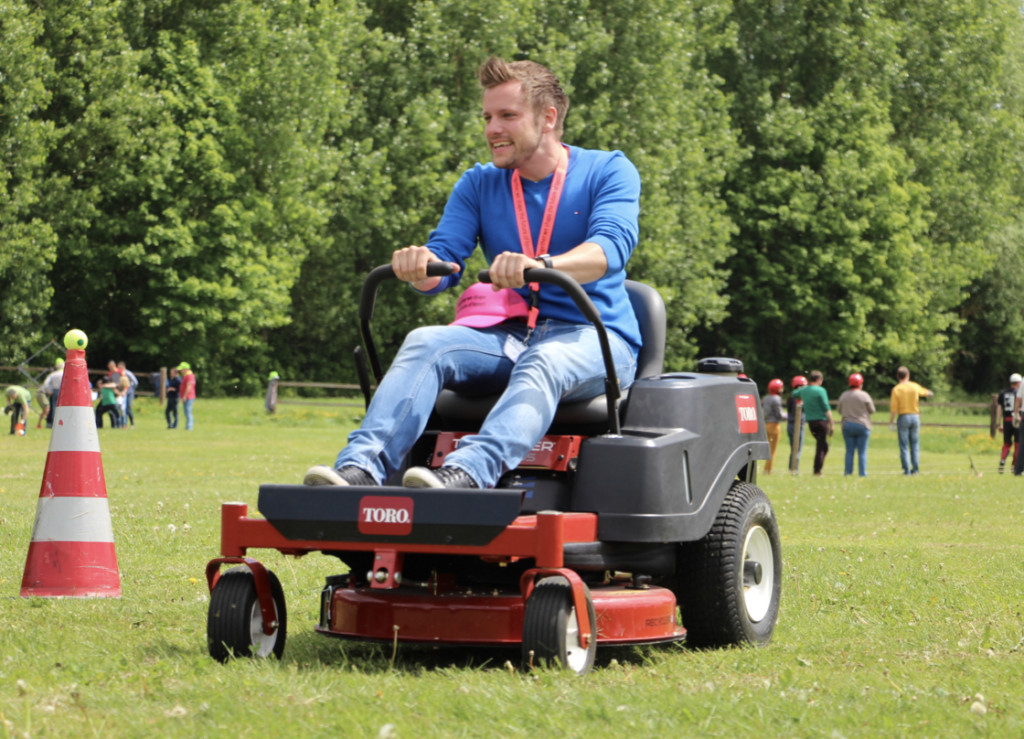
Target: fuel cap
(720, 365)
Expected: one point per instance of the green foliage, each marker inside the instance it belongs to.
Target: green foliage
(992, 337)
(640, 90)
(27, 243)
(873, 178)
(991, 341)
(966, 144)
(198, 161)
(826, 184)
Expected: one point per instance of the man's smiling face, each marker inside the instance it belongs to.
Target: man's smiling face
(512, 129)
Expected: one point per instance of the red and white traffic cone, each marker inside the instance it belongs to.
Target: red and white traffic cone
(72, 550)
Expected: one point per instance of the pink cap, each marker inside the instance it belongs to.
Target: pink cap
(480, 306)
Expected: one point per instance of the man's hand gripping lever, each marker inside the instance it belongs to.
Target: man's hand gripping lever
(368, 298)
(410, 265)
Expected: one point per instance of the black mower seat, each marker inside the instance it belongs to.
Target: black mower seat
(650, 314)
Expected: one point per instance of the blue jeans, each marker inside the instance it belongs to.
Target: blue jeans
(186, 405)
(129, 398)
(856, 436)
(563, 362)
(909, 428)
(790, 429)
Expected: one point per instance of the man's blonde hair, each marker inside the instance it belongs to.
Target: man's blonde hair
(541, 88)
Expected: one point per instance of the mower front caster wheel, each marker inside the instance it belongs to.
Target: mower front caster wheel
(551, 632)
(234, 625)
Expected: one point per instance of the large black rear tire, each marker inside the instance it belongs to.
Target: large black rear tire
(551, 630)
(729, 583)
(234, 624)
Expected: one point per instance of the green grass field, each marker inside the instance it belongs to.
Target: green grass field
(901, 602)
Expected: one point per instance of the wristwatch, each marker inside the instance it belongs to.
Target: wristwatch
(546, 258)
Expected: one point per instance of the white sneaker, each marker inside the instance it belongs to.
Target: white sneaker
(445, 477)
(347, 475)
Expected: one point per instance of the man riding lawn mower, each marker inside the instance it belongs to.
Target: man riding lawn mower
(555, 517)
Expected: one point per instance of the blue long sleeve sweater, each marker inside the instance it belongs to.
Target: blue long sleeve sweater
(600, 203)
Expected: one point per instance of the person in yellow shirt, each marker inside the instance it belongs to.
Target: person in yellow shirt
(906, 413)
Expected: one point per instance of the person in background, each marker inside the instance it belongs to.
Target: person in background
(798, 382)
(129, 394)
(187, 392)
(855, 408)
(51, 386)
(108, 402)
(270, 403)
(771, 406)
(173, 385)
(906, 413)
(19, 402)
(113, 376)
(44, 405)
(819, 417)
(122, 400)
(1007, 402)
(1018, 466)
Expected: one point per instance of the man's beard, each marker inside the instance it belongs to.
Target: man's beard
(523, 155)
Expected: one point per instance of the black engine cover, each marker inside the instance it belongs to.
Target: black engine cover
(685, 438)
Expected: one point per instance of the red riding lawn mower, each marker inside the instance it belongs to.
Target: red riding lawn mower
(634, 513)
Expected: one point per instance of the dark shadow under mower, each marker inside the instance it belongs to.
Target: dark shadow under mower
(608, 531)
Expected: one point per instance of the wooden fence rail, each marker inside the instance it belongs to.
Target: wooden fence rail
(330, 385)
(273, 401)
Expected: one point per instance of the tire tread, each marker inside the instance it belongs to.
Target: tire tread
(231, 602)
(712, 607)
(546, 610)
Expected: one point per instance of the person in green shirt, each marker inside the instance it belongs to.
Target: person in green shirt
(19, 400)
(818, 415)
(108, 403)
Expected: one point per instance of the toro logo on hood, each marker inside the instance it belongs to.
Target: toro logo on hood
(746, 412)
(379, 514)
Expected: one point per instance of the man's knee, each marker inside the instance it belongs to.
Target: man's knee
(429, 337)
(422, 344)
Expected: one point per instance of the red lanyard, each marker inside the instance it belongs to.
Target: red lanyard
(546, 226)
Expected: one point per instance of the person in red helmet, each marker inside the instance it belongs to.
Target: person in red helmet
(794, 457)
(855, 408)
(771, 405)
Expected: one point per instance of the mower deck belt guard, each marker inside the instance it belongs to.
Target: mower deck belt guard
(389, 514)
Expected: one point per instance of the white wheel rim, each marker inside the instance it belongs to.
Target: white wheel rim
(758, 597)
(262, 644)
(575, 655)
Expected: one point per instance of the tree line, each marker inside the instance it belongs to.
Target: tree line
(828, 184)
